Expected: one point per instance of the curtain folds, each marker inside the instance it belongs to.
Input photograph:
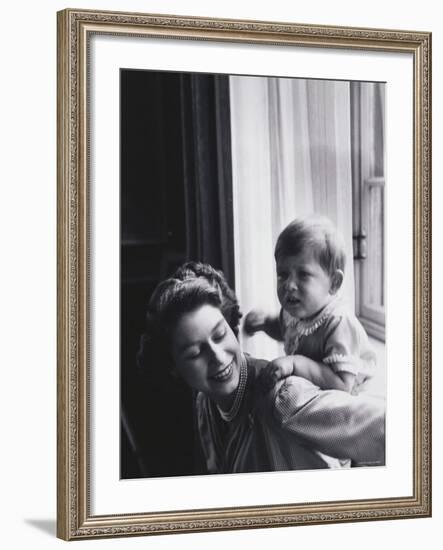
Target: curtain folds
(291, 156)
(207, 170)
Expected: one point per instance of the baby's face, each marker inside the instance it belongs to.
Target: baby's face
(303, 286)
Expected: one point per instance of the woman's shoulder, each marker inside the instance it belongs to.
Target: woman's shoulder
(254, 365)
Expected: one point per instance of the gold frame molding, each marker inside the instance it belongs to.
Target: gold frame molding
(75, 27)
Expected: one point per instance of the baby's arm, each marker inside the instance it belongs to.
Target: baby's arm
(298, 365)
(346, 351)
(258, 319)
(322, 375)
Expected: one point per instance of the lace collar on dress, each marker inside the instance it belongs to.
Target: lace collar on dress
(305, 327)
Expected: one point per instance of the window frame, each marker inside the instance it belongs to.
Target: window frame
(367, 173)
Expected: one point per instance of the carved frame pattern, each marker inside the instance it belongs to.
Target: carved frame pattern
(74, 29)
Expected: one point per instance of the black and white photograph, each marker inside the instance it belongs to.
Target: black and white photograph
(217, 275)
(252, 274)
(243, 275)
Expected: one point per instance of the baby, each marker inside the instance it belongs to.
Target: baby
(323, 341)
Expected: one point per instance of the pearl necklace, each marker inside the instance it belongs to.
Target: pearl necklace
(229, 415)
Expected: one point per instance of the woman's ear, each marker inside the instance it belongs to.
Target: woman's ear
(336, 281)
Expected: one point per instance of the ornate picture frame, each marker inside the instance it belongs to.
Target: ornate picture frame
(76, 518)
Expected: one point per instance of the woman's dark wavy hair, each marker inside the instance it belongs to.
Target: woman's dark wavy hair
(193, 284)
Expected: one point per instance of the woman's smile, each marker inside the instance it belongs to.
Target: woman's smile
(207, 353)
(224, 374)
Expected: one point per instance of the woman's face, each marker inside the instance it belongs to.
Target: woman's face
(207, 354)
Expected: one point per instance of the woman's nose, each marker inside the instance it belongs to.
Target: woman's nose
(217, 354)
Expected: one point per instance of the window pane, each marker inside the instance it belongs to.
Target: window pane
(375, 256)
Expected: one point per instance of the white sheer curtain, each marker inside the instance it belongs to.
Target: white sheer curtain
(291, 156)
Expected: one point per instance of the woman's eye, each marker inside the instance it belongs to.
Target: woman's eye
(281, 275)
(219, 335)
(192, 354)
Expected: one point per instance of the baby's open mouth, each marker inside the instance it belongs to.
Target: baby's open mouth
(292, 301)
(224, 374)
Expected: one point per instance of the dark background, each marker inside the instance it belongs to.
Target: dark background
(176, 205)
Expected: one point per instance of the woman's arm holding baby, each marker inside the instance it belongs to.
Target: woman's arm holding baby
(333, 422)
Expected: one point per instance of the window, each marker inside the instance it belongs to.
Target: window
(368, 187)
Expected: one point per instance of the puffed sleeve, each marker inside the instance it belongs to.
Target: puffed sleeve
(331, 421)
(347, 347)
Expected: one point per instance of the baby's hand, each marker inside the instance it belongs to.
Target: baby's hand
(275, 370)
(255, 320)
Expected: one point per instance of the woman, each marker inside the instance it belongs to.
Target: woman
(192, 323)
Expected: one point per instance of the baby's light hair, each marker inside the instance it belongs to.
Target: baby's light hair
(317, 234)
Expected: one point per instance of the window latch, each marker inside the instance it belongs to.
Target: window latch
(360, 245)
